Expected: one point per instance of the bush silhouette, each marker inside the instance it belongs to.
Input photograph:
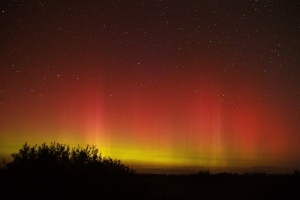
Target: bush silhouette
(61, 158)
(201, 175)
(227, 174)
(255, 174)
(204, 173)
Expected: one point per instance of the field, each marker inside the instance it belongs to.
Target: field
(222, 187)
(148, 186)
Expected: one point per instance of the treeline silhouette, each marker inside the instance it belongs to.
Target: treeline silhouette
(58, 171)
(205, 173)
(61, 158)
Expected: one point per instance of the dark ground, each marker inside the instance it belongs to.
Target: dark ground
(143, 186)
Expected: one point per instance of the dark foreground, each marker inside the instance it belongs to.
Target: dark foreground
(84, 186)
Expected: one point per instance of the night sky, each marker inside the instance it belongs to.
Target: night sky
(158, 84)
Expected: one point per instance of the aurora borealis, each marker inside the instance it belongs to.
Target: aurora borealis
(157, 84)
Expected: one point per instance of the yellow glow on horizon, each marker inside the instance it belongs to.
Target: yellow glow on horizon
(142, 154)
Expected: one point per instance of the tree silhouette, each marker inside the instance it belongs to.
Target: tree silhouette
(59, 171)
(61, 158)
